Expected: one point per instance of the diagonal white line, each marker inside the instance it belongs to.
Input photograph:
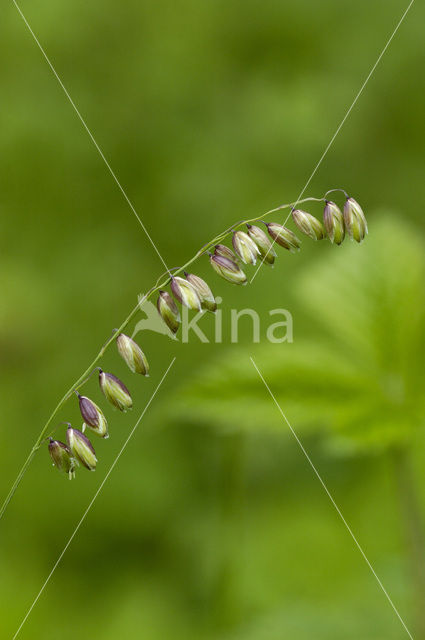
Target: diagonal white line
(319, 477)
(341, 124)
(83, 517)
(92, 138)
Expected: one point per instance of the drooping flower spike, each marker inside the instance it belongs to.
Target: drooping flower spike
(194, 293)
(132, 355)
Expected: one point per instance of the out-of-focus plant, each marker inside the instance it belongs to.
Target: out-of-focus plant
(357, 380)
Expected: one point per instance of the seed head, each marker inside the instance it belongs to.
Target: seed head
(283, 236)
(227, 269)
(333, 221)
(62, 457)
(115, 391)
(204, 292)
(132, 354)
(93, 416)
(168, 311)
(308, 224)
(222, 250)
(245, 247)
(263, 243)
(185, 293)
(81, 448)
(354, 220)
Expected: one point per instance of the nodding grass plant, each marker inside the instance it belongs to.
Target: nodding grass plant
(249, 247)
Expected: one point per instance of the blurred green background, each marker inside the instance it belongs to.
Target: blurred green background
(213, 525)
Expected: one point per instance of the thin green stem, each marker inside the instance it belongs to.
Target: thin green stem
(83, 378)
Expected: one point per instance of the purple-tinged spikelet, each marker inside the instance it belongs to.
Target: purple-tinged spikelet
(227, 269)
(333, 221)
(265, 247)
(308, 224)
(203, 290)
(132, 355)
(115, 391)
(93, 416)
(245, 247)
(222, 250)
(168, 311)
(62, 457)
(354, 220)
(283, 236)
(81, 448)
(185, 293)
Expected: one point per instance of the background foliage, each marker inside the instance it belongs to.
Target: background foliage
(213, 525)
